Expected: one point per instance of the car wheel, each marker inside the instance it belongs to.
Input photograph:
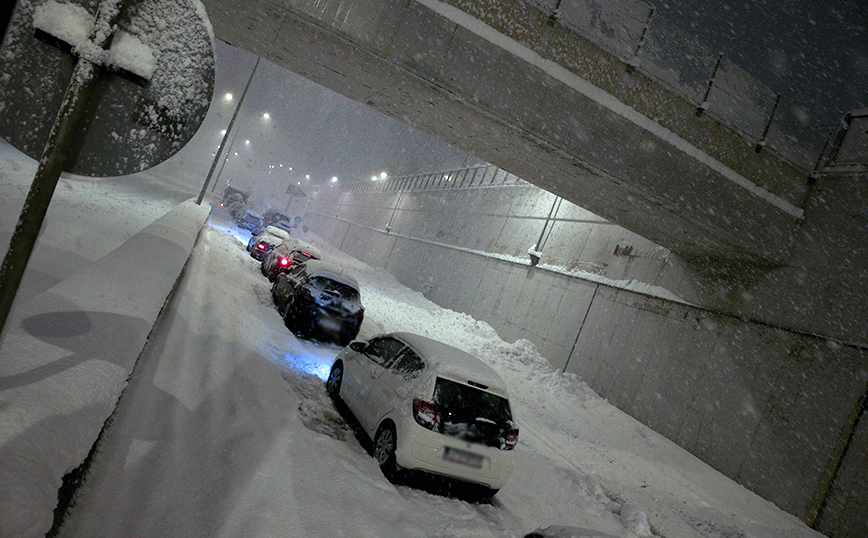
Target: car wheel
(344, 338)
(288, 316)
(482, 494)
(333, 383)
(385, 445)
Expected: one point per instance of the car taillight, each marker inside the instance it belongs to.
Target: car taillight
(222, 205)
(360, 313)
(305, 254)
(284, 262)
(511, 438)
(262, 246)
(425, 413)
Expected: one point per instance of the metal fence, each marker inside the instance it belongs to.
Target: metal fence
(479, 176)
(653, 45)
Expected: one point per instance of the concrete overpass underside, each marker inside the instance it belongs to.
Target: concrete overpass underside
(499, 80)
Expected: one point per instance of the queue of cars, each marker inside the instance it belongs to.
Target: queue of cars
(427, 407)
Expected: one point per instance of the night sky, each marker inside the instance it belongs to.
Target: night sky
(813, 52)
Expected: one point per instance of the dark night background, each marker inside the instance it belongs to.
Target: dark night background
(813, 52)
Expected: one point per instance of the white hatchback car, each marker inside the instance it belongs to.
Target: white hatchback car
(430, 407)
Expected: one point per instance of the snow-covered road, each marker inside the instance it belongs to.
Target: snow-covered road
(226, 430)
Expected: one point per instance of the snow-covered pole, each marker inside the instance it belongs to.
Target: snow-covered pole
(226, 136)
(54, 155)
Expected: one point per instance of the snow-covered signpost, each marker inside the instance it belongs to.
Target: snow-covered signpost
(106, 94)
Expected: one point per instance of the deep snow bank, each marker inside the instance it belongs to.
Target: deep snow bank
(64, 365)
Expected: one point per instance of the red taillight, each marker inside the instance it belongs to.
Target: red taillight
(360, 313)
(221, 204)
(511, 438)
(425, 413)
(305, 254)
(284, 262)
(262, 246)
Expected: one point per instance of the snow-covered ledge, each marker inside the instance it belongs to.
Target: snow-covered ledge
(67, 358)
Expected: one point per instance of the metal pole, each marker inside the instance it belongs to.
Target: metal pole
(51, 164)
(764, 138)
(226, 136)
(635, 60)
(701, 108)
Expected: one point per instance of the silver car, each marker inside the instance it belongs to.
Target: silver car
(430, 407)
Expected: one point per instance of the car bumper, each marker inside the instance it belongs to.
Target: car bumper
(257, 254)
(426, 450)
(324, 322)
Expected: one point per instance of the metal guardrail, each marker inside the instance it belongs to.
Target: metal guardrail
(478, 176)
(659, 49)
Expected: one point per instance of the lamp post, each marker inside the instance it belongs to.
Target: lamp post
(226, 136)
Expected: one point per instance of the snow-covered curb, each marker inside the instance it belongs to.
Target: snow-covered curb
(91, 326)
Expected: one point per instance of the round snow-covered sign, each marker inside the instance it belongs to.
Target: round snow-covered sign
(156, 81)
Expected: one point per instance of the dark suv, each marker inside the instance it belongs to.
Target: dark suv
(319, 300)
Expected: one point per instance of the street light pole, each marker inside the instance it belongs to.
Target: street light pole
(226, 135)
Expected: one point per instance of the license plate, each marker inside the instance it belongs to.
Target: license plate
(462, 457)
(328, 324)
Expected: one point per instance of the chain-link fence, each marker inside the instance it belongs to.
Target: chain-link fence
(658, 48)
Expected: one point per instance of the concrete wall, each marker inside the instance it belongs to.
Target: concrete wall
(575, 120)
(771, 408)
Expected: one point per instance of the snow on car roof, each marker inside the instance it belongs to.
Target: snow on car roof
(330, 271)
(277, 232)
(297, 244)
(453, 362)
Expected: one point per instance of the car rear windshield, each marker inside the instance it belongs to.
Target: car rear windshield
(335, 288)
(471, 414)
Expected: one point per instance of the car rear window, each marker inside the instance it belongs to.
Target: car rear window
(471, 414)
(336, 288)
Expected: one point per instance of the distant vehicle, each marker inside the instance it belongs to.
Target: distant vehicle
(319, 300)
(250, 222)
(284, 256)
(234, 201)
(271, 217)
(284, 225)
(263, 242)
(430, 407)
(567, 532)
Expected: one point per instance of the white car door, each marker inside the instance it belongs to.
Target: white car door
(387, 393)
(363, 374)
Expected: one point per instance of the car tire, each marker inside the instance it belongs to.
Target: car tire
(345, 337)
(287, 314)
(483, 494)
(385, 446)
(333, 383)
(274, 296)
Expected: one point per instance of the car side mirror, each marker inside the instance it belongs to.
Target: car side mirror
(359, 347)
